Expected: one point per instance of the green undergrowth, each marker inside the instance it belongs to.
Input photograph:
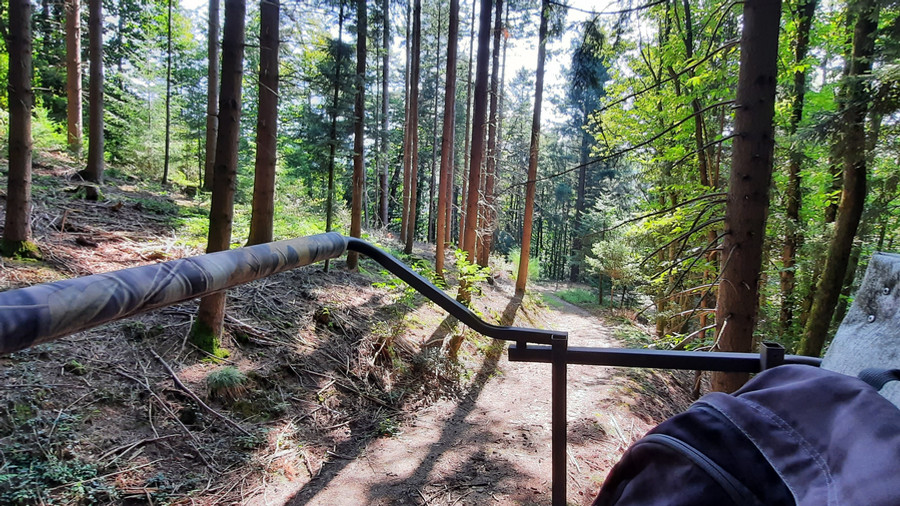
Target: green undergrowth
(579, 297)
(39, 458)
(20, 250)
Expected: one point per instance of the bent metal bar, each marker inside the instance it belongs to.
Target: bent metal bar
(41, 313)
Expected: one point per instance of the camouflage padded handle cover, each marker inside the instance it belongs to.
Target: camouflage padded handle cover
(40, 313)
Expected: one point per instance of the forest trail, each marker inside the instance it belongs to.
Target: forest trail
(492, 444)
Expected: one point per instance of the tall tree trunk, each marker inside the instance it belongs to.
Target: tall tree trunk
(263, 207)
(478, 130)
(385, 101)
(447, 141)
(533, 151)
(853, 195)
(94, 169)
(577, 241)
(463, 195)
(489, 215)
(211, 313)
(748, 190)
(17, 225)
(332, 134)
(73, 75)
(432, 221)
(359, 124)
(407, 131)
(414, 125)
(793, 235)
(212, 97)
(165, 176)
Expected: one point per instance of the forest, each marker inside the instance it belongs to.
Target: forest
(644, 179)
(714, 172)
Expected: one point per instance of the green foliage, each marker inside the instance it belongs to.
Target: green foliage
(578, 296)
(20, 250)
(47, 134)
(552, 301)
(468, 273)
(227, 382)
(388, 427)
(534, 267)
(203, 337)
(615, 259)
(38, 456)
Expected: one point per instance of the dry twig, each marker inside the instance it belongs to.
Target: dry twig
(196, 399)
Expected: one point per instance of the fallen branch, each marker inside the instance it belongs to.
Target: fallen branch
(192, 395)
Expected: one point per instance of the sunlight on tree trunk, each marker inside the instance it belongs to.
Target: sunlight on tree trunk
(212, 90)
(413, 123)
(853, 196)
(94, 169)
(383, 207)
(359, 123)
(533, 151)
(488, 211)
(447, 142)
(263, 205)
(73, 76)
(17, 225)
(211, 314)
(748, 189)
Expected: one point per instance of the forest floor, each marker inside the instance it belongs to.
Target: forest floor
(342, 395)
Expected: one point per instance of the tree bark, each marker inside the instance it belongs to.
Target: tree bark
(414, 125)
(432, 219)
(73, 76)
(212, 97)
(17, 224)
(263, 207)
(165, 176)
(853, 195)
(793, 234)
(407, 132)
(359, 124)
(479, 117)
(211, 313)
(488, 214)
(748, 192)
(447, 141)
(332, 135)
(94, 169)
(533, 151)
(463, 194)
(385, 101)
(577, 240)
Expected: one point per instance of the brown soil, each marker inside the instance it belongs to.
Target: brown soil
(492, 444)
(348, 398)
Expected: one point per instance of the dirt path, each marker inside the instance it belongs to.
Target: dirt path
(492, 446)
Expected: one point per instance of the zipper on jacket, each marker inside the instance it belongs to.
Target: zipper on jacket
(734, 488)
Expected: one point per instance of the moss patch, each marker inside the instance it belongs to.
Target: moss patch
(203, 337)
(21, 250)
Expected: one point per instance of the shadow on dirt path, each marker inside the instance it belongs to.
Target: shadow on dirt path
(492, 444)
